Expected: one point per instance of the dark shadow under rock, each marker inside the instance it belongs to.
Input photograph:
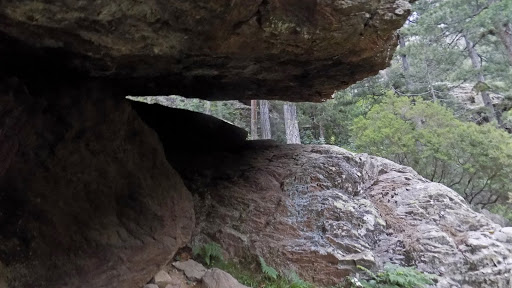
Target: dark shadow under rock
(87, 198)
(183, 130)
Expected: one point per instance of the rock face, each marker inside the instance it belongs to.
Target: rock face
(469, 96)
(87, 198)
(321, 210)
(275, 49)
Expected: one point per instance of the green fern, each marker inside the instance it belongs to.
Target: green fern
(395, 276)
(267, 270)
(296, 282)
(245, 274)
(209, 252)
(367, 271)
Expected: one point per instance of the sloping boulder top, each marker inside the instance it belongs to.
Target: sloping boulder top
(322, 211)
(297, 50)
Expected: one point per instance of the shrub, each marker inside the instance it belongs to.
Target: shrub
(475, 161)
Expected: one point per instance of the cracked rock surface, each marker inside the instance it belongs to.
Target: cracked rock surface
(321, 210)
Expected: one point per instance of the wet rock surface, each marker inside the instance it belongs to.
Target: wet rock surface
(321, 210)
(295, 50)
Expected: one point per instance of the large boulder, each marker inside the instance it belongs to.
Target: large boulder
(87, 198)
(321, 211)
(224, 49)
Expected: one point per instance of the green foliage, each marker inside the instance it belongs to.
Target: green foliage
(209, 253)
(335, 116)
(475, 161)
(504, 210)
(438, 57)
(296, 282)
(246, 274)
(395, 276)
(268, 270)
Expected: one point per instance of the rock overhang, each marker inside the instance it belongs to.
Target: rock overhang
(68, 138)
(295, 50)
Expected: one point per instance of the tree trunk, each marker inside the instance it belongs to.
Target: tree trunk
(504, 31)
(405, 62)
(475, 60)
(505, 35)
(208, 108)
(430, 84)
(265, 120)
(254, 119)
(291, 124)
(322, 134)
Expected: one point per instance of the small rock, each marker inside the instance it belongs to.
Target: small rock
(365, 259)
(507, 230)
(162, 277)
(150, 286)
(216, 278)
(193, 270)
(504, 235)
